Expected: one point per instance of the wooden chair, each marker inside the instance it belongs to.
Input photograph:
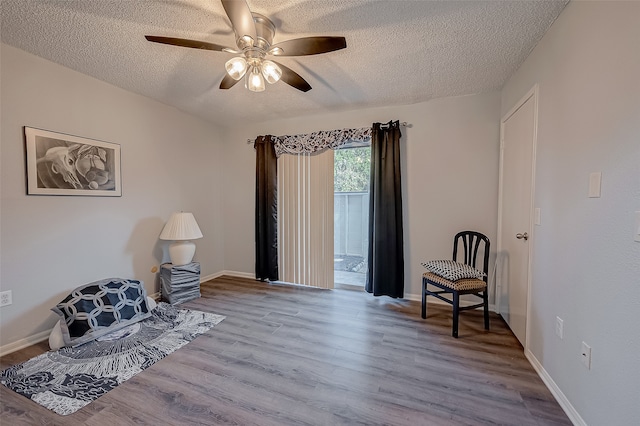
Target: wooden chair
(471, 242)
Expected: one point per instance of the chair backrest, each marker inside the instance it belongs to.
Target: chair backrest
(471, 243)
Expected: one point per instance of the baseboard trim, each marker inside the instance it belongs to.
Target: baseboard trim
(563, 401)
(23, 343)
(250, 275)
(463, 303)
(209, 277)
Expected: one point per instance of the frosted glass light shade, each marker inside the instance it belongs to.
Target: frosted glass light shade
(271, 72)
(181, 226)
(255, 81)
(236, 67)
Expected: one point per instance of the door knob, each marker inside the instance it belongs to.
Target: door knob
(524, 236)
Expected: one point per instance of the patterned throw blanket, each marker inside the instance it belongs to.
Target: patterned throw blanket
(68, 379)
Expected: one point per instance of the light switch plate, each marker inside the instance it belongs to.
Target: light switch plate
(536, 216)
(585, 355)
(595, 180)
(559, 327)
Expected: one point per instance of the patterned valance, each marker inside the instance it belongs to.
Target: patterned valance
(319, 141)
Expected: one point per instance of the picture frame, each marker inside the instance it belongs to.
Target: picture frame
(61, 164)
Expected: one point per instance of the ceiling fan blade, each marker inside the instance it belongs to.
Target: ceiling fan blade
(227, 82)
(293, 79)
(308, 46)
(188, 43)
(241, 18)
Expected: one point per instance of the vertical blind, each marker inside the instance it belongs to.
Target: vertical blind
(305, 219)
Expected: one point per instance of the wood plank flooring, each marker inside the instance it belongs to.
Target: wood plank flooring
(303, 356)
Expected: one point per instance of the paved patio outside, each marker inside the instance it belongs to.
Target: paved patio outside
(350, 278)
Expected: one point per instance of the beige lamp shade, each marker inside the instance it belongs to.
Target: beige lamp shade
(180, 228)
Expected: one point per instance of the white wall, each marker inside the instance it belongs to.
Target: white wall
(49, 244)
(449, 160)
(586, 265)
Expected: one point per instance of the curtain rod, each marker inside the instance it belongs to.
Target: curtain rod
(403, 124)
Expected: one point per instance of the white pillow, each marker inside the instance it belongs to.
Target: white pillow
(55, 337)
(151, 304)
(56, 340)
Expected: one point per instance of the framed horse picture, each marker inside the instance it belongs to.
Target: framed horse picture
(60, 164)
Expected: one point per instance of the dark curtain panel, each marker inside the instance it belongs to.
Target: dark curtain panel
(266, 210)
(385, 275)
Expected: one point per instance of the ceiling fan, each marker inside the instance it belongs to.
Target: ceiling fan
(254, 37)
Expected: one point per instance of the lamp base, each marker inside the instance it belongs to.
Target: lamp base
(181, 252)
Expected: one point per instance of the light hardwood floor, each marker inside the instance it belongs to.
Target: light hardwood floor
(294, 355)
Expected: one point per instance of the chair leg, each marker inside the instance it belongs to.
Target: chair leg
(456, 312)
(485, 298)
(424, 299)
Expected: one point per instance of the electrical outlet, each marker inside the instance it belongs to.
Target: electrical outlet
(6, 298)
(585, 355)
(559, 327)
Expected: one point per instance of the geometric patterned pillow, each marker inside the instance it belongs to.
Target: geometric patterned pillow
(451, 270)
(101, 307)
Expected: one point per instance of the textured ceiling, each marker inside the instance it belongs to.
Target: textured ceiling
(398, 52)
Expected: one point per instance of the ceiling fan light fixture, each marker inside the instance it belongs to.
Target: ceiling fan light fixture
(255, 81)
(254, 35)
(236, 67)
(271, 72)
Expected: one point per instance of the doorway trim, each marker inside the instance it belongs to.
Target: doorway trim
(532, 93)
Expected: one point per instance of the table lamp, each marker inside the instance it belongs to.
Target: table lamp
(180, 228)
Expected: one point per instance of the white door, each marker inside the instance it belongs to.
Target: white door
(518, 132)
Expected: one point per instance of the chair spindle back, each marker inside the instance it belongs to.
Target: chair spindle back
(471, 242)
